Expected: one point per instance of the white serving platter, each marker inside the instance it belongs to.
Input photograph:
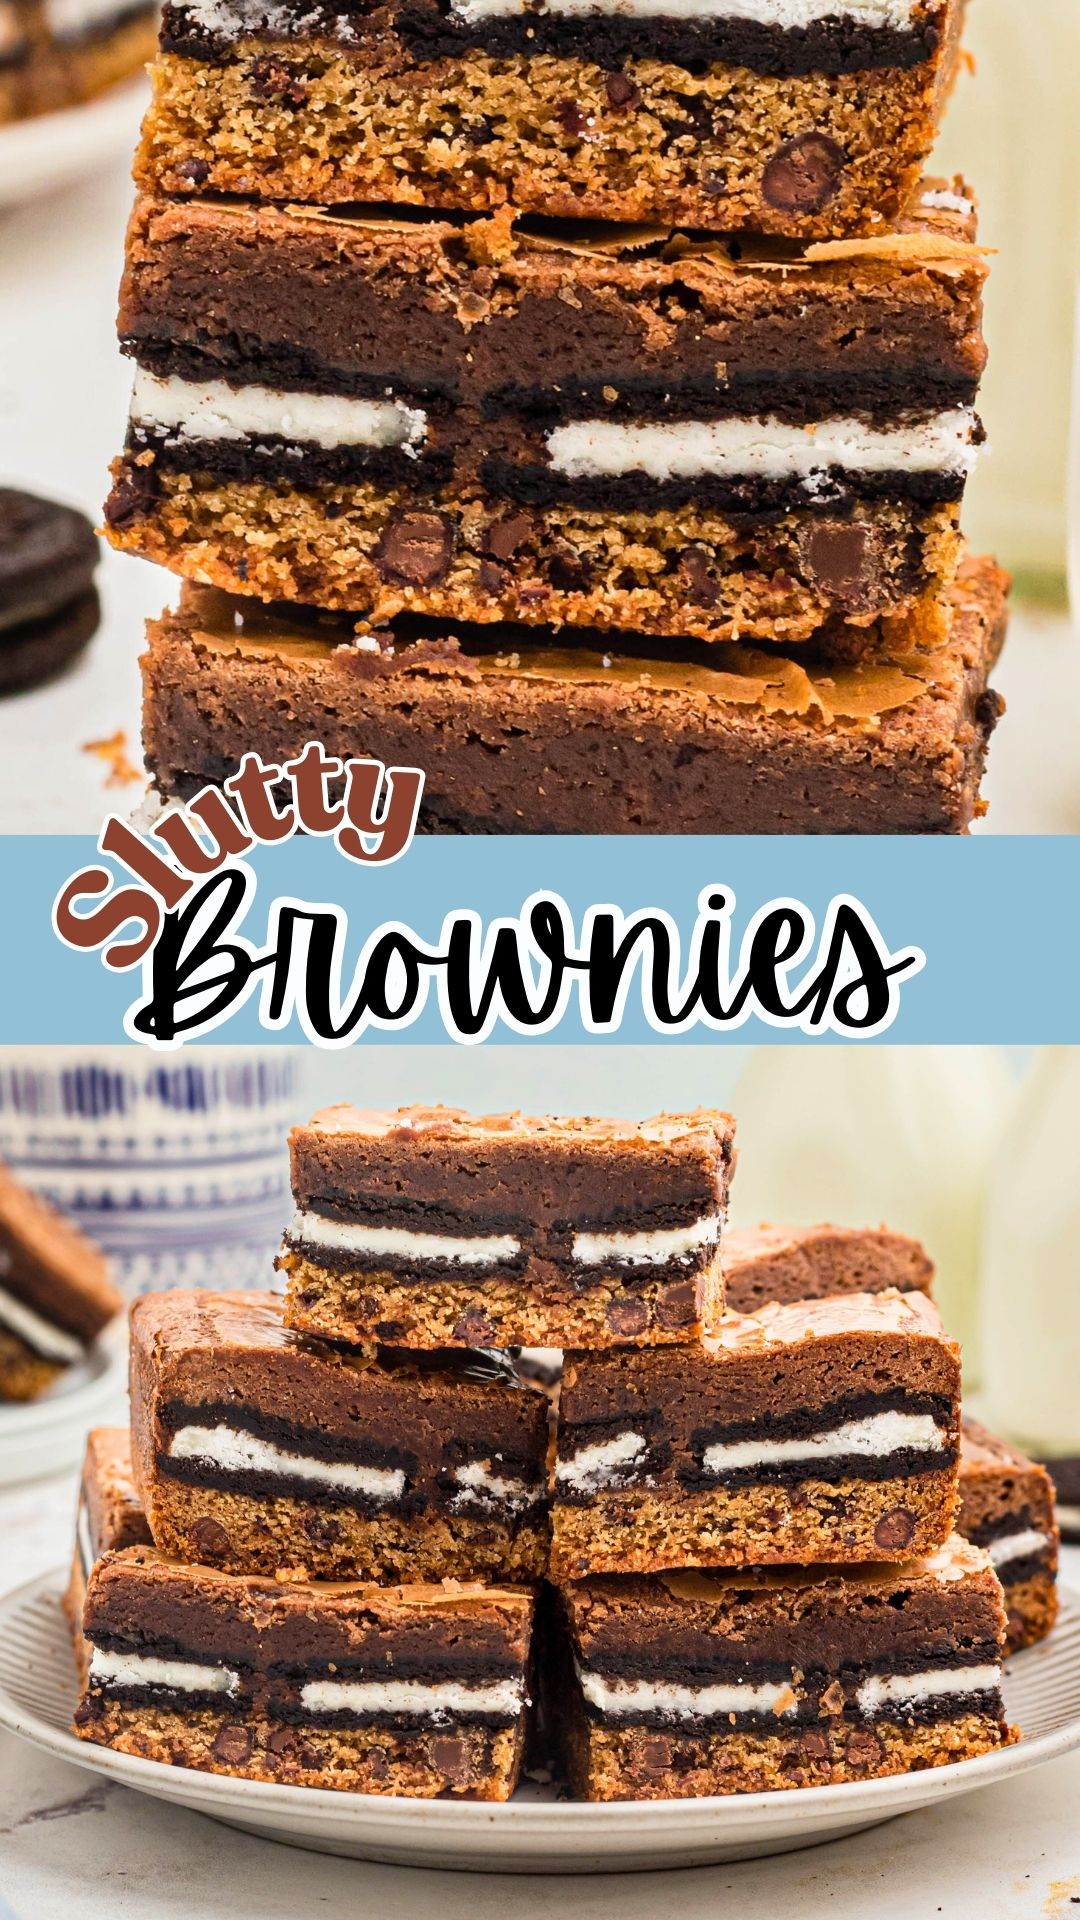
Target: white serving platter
(533, 1833)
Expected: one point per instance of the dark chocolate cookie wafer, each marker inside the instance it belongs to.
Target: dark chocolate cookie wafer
(48, 606)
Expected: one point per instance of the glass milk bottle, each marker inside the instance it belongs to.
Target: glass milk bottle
(1030, 1310)
(1013, 130)
(883, 1136)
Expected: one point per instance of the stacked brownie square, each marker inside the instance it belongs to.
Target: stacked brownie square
(744, 1510)
(595, 386)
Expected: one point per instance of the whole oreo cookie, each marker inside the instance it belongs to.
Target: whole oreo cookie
(48, 605)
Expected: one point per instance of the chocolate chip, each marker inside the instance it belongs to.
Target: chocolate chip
(570, 573)
(283, 1742)
(895, 1530)
(415, 548)
(621, 91)
(389, 1331)
(816, 1744)
(571, 119)
(656, 1754)
(132, 497)
(843, 560)
(450, 1757)
(803, 174)
(195, 172)
(694, 565)
(90, 1710)
(492, 578)
(627, 1316)
(475, 1329)
(210, 1537)
(504, 537)
(320, 1529)
(677, 1306)
(377, 1763)
(274, 80)
(232, 1746)
(863, 1749)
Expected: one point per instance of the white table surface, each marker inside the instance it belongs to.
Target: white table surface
(71, 1844)
(63, 403)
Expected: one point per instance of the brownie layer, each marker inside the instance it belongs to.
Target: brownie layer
(1064, 1471)
(108, 1517)
(716, 146)
(535, 317)
(742, 1440)
(520, 730)
(330, 1460)
(810, 1263)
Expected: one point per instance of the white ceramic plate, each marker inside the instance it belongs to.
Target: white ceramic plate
(531, 1834)
(48, 1434)
(53, 150)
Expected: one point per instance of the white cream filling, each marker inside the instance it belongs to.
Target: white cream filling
(478, 1484)
(874, 1437)
(911, 1689)
(194, 410)
(146, 1670)
(788, 14)
(49, 1342)
(346, 1236)
(940, 197)
(643, 1249)
(432, 1699)
(598, 1466)
(762, 448)
(1016, 1546)
(236, 1452)
(629, 1697)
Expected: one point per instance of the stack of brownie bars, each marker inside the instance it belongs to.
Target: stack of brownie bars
(572, 400)
(356, 1542)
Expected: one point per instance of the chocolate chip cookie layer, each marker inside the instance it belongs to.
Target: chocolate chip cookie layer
(489, 421)
(820, 1430)
(418, 1690)
(808, 118)
(257, 1450)
(429, 1227)
(692, 1683)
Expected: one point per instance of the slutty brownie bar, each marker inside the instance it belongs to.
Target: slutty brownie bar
(259, 1451)
(526, 731)
(808, 120)
(810, 1263)
(417, 1690)
(430, 1227)
(1007, 1507)
(55, 1292)
(108, 1517)
(483, 421)
(824, 1430)
(692, 1683)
